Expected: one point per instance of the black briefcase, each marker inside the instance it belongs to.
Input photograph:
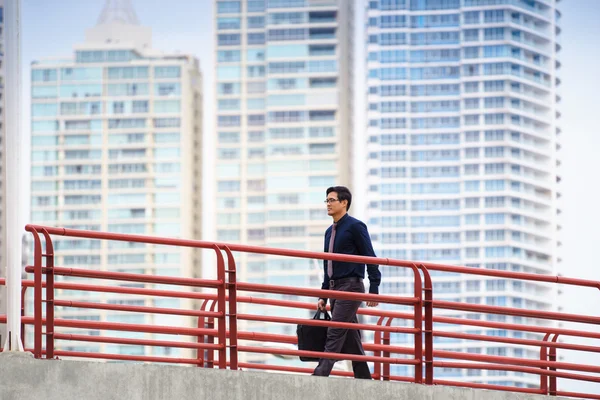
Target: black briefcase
(312, 338)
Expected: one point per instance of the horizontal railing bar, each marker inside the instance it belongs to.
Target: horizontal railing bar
(129, 277)
(284, 368)
(487, 386)
(320, 293)
(516, 368)
(518, 312)
(136, 342)
(526, 342)
(517, 327)
(514, 361)
(124, 327)
(401, 379)
(330, 324)
(334, 356)
(127, 290)
(250, 336)
(311, 306)
(124, 357)
(141, 309)
(289, 339)
(575, 394)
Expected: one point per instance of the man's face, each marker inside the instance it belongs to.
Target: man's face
(334, 205)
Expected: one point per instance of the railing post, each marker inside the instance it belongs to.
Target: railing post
(210, 361)
(232, 286)
(552, 358)
(37, 294)
(222, 307)
(428, 307)
(544, 357)
(201, 338)
(49, 255)
(23, 299)
(418, 325)
(377, 353)
(386, 342)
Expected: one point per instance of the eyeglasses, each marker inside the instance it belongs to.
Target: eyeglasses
(329, 201)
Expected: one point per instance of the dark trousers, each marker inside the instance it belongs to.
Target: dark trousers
(341, 340)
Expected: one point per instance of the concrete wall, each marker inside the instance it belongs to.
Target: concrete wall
(24, 378)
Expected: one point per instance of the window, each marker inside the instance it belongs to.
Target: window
(471, 52)
(470, 35)
(167, 122)
(167, 72)
(493, 34)
(286, 17)
(127, 72)
(228, 23)
(128, 89)
(229, 120)
(228, 7)
(229, 39)
(255, 87)
(167, 89)
(229, 137)
(229, 104)
(471, 17)
(256, 22)
(256, 5)
(86, 74)
(492, 16)
(43, 75)
(256, 38)
(44, 92)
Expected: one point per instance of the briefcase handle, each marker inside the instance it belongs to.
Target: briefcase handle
(325, 314)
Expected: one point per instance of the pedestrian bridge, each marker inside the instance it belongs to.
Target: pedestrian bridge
(24, 378)
(212, 340)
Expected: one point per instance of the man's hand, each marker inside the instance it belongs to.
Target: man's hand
(321, 305)
(372, 304)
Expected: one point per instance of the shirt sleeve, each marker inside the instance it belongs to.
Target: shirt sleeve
(365, 248)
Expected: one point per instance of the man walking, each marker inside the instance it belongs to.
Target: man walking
(347, 235)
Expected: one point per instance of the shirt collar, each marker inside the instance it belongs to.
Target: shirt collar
(341, 220)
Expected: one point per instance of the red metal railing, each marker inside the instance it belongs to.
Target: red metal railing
(221, 346)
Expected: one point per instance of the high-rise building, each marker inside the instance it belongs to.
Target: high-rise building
(116, 146)
(283, 126)
(462, 151)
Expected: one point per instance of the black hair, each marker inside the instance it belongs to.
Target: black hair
(343, 193)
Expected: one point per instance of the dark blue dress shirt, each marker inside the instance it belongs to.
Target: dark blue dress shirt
(351, 237)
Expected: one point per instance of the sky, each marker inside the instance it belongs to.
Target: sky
(50, 28)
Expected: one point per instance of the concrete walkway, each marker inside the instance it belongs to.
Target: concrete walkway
(24, 378)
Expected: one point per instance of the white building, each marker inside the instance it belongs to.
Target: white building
(116, 146)
(462, 151)
(284, 130)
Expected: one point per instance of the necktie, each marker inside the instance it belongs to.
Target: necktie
(331, 240)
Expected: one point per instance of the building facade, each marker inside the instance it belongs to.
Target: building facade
(116, 146)
(283, 126)
(462, 152)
